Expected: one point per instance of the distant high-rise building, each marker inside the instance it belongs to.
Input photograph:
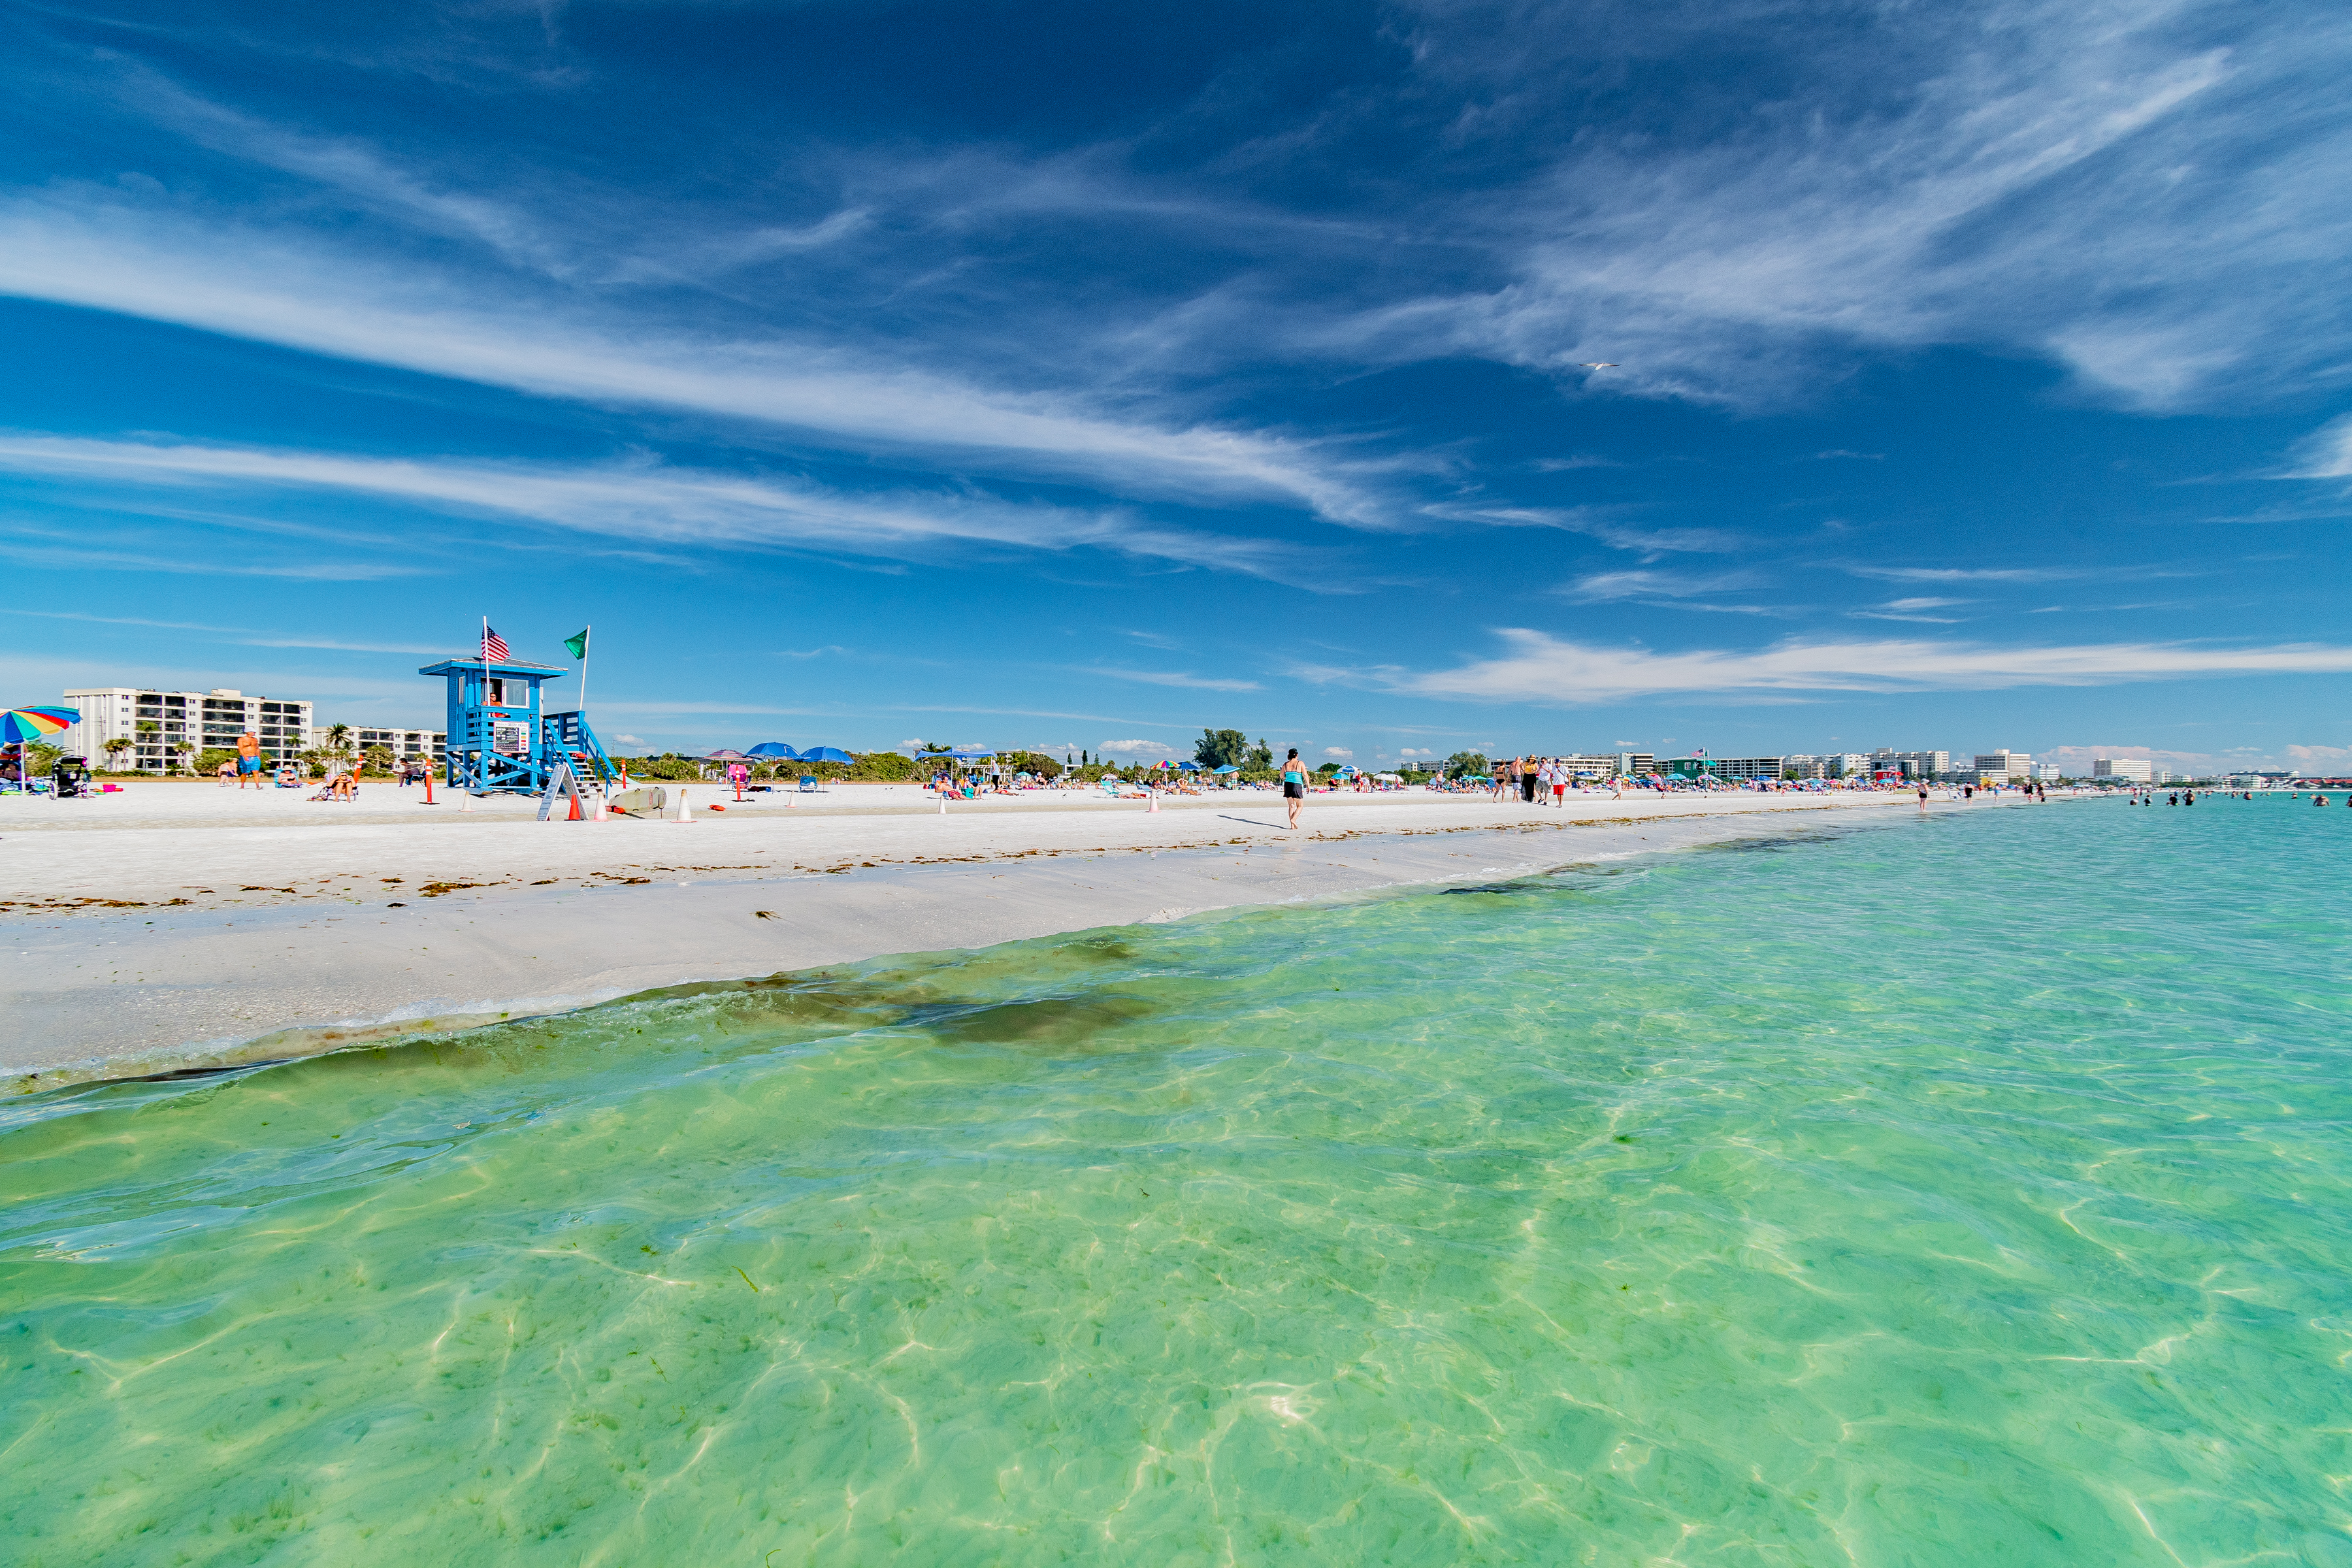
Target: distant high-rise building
(406, 744)
(157, 724)
(2138, 770)
(2004, 764)
(1910, 764)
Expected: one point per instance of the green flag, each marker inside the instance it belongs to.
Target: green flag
(578, 644)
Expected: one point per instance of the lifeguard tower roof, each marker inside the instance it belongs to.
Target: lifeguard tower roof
(496, 667)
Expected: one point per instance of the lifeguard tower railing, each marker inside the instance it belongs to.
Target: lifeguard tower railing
(568, 735)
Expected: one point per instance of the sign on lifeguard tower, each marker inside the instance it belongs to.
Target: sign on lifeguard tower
(501, 739)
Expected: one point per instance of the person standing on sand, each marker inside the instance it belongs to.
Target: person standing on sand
(1293, 784)
(249, 760)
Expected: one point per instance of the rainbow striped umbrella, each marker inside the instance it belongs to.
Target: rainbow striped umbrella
(18, 725)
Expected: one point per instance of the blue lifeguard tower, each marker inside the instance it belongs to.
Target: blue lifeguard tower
(501, 740)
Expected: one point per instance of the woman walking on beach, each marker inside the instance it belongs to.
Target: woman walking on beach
(1293, 784)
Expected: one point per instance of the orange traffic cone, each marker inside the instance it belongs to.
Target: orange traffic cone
(575, 810)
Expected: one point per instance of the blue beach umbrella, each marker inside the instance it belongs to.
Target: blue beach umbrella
(773, 749)
(1228, 768)
(827, 754)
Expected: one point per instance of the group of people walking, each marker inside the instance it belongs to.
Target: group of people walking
(1537, 781)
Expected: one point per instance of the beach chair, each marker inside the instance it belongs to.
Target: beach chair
(808, 783)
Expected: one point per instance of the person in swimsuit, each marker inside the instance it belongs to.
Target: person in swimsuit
(1293, 784)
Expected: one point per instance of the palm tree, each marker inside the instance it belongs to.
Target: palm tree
(114, 750)
(183, 748)
(338, 738)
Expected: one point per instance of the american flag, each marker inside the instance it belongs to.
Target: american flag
(493, 645)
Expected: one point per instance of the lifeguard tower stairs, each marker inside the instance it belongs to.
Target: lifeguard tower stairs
(503, 742)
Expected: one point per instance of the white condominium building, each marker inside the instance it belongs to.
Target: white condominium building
(156, 723)
(1595, 765)
(1826, 764)
(1911, 765)
(1750, 767)
(402, 744)
(2138, 770)
(2004, 764)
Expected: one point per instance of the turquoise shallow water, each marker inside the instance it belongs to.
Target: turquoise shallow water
(1969, 1191)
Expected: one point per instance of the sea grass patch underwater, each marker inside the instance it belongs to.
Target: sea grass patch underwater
(1966, 1191)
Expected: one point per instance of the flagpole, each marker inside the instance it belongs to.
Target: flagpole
(482, 758)
(587, 646)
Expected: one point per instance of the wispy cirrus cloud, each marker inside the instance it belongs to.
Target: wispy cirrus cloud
(1915, 608)
(29, 544)
(1543, 669)
(1172, 678)
(1602, 524)
(245, 637)
(648, 501)
(293, 290)
(2105, 184)
(2010, 573)
(2325, 454)
(1602, 587)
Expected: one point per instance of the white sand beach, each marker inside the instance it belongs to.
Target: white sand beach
(177, 925)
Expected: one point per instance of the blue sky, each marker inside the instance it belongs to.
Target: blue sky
(1081, 375)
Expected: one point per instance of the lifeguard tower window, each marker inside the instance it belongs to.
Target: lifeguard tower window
(498, 692)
